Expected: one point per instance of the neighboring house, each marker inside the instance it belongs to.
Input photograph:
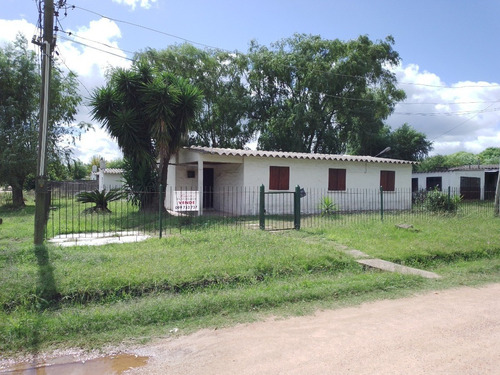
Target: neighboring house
(227, 180)
(470, 181)
(109, 178)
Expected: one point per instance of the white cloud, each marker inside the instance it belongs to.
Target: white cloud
(459, 117)
(146, 4)
(96, 142)
(97, 49)
(90, 65)
(9, 29)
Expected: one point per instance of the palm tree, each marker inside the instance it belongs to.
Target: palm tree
(148, 112)
(171, 104)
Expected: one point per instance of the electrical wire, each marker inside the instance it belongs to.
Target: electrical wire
(74, 74)
(460, 124)
(98, 49)
(328, 95)
(224, 50)
(145, 27)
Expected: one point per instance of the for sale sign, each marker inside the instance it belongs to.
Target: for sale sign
(185, 201)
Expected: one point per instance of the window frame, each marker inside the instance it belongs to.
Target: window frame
(337, 179)
(279, 178)
(388, 180)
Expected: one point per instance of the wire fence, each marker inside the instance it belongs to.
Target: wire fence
(235, 208)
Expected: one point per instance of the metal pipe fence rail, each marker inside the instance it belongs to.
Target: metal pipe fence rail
(236, 208)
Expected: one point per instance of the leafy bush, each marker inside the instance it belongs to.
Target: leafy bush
(437, 201)
(327, 206)
(100, 198)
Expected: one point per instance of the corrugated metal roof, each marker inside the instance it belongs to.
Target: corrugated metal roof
(112, 170)
(294, 155)
(475, 167)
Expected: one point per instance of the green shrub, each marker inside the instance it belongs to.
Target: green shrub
(327, 206)
(437, 201)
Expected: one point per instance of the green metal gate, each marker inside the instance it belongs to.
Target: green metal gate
(279, 210)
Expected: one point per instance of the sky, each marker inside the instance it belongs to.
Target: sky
(449, 49)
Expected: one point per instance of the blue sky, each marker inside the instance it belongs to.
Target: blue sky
(449, 50)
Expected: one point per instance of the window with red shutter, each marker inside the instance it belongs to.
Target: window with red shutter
(336, 179)
(279, 178)
(388, 180)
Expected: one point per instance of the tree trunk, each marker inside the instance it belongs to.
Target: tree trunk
(162, 174)
(17, 196)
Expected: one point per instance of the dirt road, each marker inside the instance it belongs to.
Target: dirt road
(447, 332)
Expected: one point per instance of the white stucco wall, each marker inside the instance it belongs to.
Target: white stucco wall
(450, 179)
(110, 180)
(237, 180)
(362, 184)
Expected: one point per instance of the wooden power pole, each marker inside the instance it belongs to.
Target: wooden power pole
(41, 189)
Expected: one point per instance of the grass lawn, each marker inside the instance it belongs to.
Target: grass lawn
(92, 296)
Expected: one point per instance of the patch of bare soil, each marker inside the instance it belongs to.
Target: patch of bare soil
(447, 332)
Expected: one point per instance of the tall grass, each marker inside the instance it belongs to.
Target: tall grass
(92, 295)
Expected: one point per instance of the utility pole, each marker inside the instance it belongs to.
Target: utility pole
(41, 190)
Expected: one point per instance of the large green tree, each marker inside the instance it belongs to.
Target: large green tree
(148, 112)
(408, 144)
(491, 155)
(222, 119)
(442, 162)
(19, 114)
(322, 96)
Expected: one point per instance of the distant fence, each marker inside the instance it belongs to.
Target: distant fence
(236, 207)
(70, 188)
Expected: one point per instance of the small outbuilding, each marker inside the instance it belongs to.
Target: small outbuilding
(470, 181)
(228, 180)
(109, 178)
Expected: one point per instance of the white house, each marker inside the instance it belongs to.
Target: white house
(203, 178)
(109, 178)
(469, 181)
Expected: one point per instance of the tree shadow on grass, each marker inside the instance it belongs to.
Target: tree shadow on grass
(46, 296)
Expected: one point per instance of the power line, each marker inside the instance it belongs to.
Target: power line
(224, 50)
(98, 49)
(462, 123)
(145, 27)
(74, 74)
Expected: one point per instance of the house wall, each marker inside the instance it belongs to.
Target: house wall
(362, 184)
(237, 181)
(228, 193)
(450, 179)
(110, 180)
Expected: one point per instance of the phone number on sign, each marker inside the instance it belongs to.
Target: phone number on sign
(186, 208)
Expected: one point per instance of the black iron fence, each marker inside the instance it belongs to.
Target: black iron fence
(250, 207)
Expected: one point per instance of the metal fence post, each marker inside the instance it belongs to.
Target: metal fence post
(296, 207)
(381, 203)
(448, 202)
(262, 208)
(160, 210)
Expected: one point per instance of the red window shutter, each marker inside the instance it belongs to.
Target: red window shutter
(336, 179)
(388, 180)
(274, 178)
(279, 178)
(284, 178)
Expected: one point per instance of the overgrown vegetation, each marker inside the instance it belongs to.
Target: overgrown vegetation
(90, 296)
(438, 201)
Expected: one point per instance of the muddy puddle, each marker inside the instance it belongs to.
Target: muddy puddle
(114, 365)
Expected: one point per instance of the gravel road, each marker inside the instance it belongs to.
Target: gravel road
(445, 332)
